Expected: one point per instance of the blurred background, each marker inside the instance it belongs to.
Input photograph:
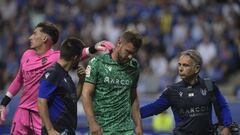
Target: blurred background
(168, 27)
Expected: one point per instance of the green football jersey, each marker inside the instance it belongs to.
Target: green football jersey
(113, 84)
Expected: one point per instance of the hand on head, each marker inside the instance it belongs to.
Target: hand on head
(104, 46)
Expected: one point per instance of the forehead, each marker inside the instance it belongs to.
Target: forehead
(185, 59)
(130, 47)
(38, 30)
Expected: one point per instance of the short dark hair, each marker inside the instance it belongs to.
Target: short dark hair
(133, 37)
(71, 47)
(50, 29)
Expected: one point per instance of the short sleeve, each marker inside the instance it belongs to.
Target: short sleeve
(135, 65)
(48, 84)
(92, 71)
(135, 82)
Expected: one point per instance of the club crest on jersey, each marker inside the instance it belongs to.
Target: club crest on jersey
(44, 60)
(204, 92)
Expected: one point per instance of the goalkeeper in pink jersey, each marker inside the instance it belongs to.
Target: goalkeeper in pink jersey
(33, 64)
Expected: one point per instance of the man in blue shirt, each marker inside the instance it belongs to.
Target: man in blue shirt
(58, 96)
(190, 100)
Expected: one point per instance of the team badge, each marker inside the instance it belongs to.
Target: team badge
(44, 60)
(204, 92)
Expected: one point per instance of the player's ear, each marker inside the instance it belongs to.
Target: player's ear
(197, 69)
(45, 38)
(119, 43)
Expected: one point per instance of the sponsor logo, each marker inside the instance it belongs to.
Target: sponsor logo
(117, 81)
(190, 94)
(88, 71)
(194, 111)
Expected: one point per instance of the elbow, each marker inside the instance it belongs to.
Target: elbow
(39, 104)
(84, 96)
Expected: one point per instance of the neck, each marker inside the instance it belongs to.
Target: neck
(192, 80)
(114, 56)
(43, 49)
(65, 64)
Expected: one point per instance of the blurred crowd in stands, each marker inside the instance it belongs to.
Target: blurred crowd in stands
(168, 27)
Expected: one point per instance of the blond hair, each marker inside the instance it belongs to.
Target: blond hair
(193, 54)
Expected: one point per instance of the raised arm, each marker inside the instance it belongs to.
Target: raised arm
(101, 47)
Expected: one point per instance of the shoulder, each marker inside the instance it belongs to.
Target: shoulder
(175, 85)
(98, 58)
(94, 60)
(172, 88)
(209, 84)
(28, 53)
(53, 53)
(51, 73)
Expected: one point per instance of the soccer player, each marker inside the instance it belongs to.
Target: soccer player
(191, 100)
(109, 92)
(33, 64)
(57, 99)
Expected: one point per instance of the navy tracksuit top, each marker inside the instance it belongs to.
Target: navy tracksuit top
(191, 106)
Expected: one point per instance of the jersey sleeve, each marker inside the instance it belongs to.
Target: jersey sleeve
(135, 81)
(224, 108)
(48, 84)
(158, 106)
(16, 84)
(92, 71)
(134, 64)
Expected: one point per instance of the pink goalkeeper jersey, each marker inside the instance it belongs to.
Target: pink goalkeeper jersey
(32, 67)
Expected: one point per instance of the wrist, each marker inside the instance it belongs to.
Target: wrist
(92, 50)
(6, 99)
(49, 129)
(80, 82)
(92, 121)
